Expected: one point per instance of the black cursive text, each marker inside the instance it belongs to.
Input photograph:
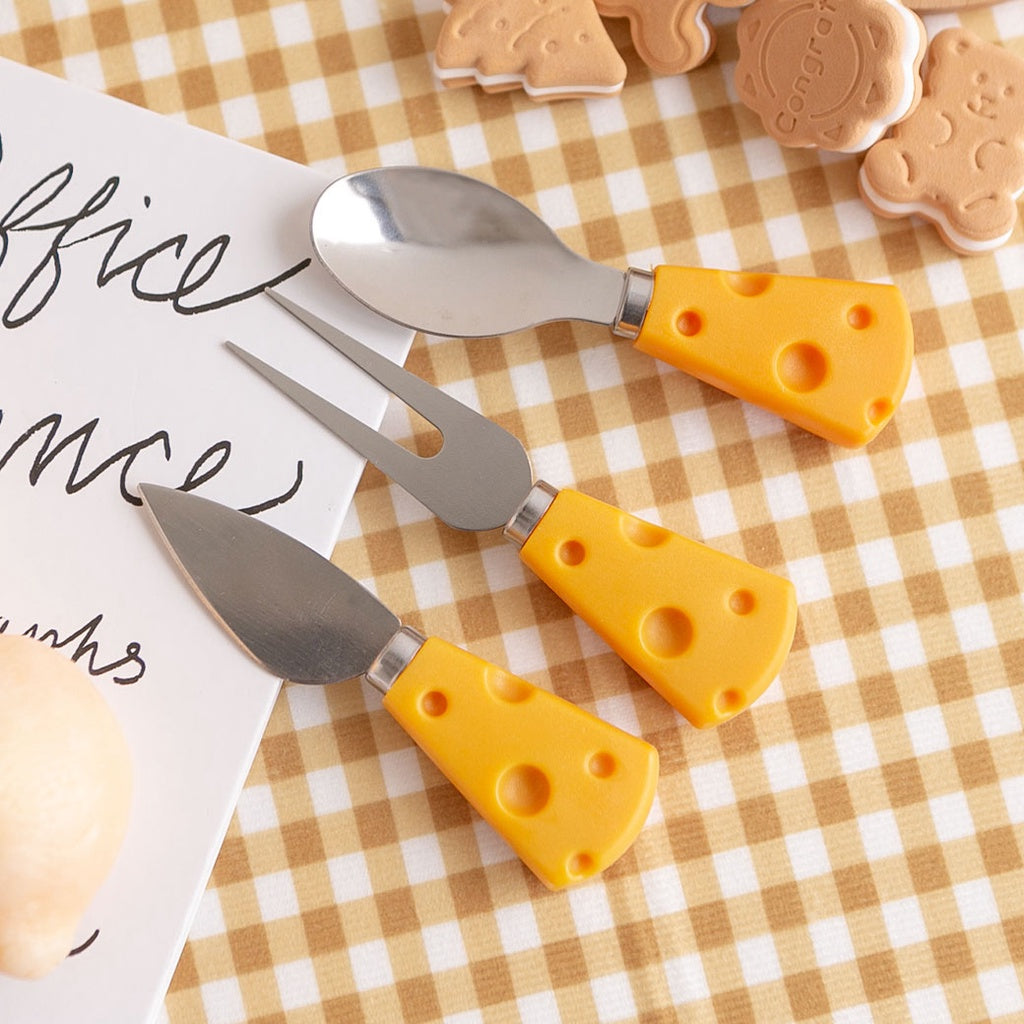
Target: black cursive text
(182, 274)
(84, 648)
(48, 446)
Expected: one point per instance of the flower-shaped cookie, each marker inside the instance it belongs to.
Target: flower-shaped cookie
(834, 74)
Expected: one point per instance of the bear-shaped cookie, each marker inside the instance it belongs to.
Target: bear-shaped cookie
(958, 160)
(65, 794)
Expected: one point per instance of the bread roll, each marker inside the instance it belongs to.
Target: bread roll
(65, 795)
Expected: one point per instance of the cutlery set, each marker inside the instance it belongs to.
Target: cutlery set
(444, 253)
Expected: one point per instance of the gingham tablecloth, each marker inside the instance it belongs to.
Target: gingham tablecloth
(849, 850)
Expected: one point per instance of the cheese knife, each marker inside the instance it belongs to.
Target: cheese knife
(568, 791)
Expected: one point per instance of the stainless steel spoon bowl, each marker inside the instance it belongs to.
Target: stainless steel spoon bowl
(447, 254)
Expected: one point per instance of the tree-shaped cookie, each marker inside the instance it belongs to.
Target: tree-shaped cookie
(553, 49)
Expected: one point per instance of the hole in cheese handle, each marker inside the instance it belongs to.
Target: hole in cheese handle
(708, 631)
(831, 356)
(566, 790)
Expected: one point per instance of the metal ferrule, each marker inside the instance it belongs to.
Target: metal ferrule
(636, 297)
(394, 658)
(538, 501)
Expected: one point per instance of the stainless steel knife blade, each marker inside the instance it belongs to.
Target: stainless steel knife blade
(295, 612)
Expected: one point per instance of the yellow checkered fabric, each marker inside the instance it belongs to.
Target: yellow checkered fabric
(850, 849)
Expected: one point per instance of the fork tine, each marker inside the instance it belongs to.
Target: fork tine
(392, 459)
(440, 409)
(480, 476)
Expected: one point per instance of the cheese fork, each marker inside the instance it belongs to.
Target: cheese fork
(706, 630)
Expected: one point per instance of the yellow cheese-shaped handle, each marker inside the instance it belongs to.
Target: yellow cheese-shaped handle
(566, 790)
(706, 630)
(831, 356)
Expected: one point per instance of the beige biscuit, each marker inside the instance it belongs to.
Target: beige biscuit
(671, 36)
(946, 5)
(835, 74)
(958, 161)
(553, 49)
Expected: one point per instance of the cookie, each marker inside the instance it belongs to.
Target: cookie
(834, 74)
(552, 49)
(958, 160)
(671, 36)
(947, 5)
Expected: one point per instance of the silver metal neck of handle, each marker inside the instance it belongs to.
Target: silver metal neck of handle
(538, 501)
(394, 659)
(636, 298)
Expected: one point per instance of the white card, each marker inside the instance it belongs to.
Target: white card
(128, 245)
